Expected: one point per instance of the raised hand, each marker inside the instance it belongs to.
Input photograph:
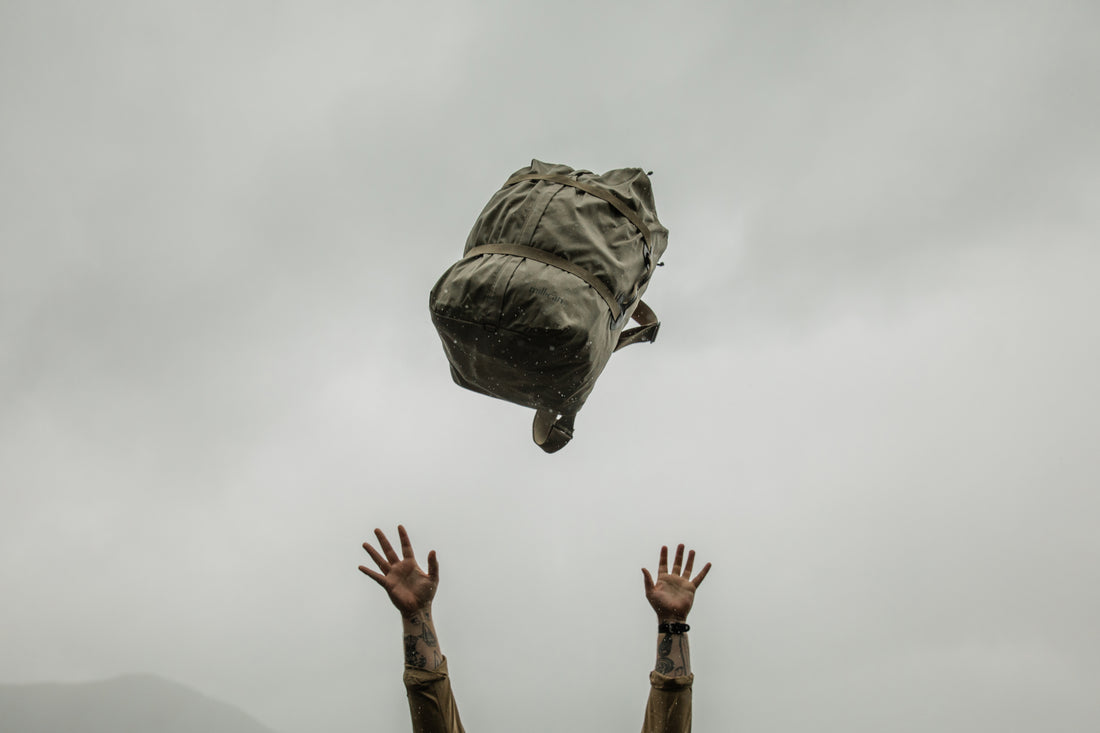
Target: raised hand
(410, 589)
(674, 592)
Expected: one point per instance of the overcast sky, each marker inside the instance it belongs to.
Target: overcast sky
(873, 404)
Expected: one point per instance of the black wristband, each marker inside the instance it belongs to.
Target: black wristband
(673, 628)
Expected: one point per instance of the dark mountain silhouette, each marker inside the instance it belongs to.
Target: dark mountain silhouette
(130, 704)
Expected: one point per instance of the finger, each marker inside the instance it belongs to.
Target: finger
(662, 565)
(378, 578)
(679, 559)
(648, 579)
(433, 568)
(386, 546)
(690, 563)
(702, 574)
(406, 546)
(378, 559)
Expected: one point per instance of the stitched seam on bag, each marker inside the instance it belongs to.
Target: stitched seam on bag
(561, 187)
(532, 222)
(504, 292)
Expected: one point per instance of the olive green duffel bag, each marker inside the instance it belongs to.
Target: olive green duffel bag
(553, 269)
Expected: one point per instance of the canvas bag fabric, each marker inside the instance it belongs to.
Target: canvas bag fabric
(553, 269)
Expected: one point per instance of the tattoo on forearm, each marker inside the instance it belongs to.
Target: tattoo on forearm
(664, 649)
(666, 665)
(412, 656)
(418, 656)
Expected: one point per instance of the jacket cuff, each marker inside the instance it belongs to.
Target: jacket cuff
(661, 682)
(420, 677)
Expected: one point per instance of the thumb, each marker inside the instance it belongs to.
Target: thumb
(648, 579)
(433, 567)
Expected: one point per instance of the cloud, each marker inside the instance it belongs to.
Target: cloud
(870, 405)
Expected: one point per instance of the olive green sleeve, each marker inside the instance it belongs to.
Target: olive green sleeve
(669, 707)
(431, 702)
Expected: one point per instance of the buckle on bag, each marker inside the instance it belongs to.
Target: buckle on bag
(625, 311)
(624, 315)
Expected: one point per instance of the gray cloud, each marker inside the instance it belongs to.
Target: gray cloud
(872, 403)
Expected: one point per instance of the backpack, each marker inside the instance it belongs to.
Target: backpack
(553, 269)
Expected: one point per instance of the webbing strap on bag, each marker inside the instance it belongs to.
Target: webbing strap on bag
(551, 432)
(648, 325)
(533, 253)
(607, 196)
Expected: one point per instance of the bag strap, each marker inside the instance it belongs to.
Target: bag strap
(607, 196)
(647, 329)
(533, 253)
(550, 431)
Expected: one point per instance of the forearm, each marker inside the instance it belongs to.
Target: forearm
(421, 642)
(431, 701)
(668, 709)
(673, 654)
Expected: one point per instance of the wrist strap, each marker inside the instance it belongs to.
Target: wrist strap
(673, 628)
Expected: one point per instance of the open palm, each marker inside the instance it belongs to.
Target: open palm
(674, 592)
(410, 589)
